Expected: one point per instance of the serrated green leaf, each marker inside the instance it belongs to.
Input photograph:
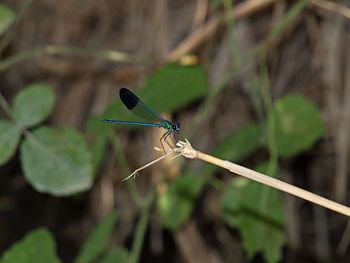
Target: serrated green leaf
(167, 89)
(256, 210)
(115, 255)
(57, 161)
(37, 246)
(9, 137)
(176, 203)
(7, 16)
(97, 240)
(33, 104)
(298, 124)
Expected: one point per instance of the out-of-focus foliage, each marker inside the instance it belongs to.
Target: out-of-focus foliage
(97, 241)
(174, 86)
(54, 160)
(176, 203)
(9, 137)
(33, 104)
(116, 254)
(256, 210)
(239, 144)
(98, 148)
(7, 16)
(37, 246)
(57, 161)
(298, 124)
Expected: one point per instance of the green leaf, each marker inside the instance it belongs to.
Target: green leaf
(33, 104)
(176, 203)
(7, 17)
(167, 89)
(98, 149)
(117, 254)
(37, 246)
(95, 126)
(9, 137)
(257, 211)
(174, 86)
(298, 125)
(239, 144)
(97, 240)
(57, 161)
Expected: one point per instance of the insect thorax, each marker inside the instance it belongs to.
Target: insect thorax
(167, 125)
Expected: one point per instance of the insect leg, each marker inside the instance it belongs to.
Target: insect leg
(165, 139)
(161, 139)
(173, 138)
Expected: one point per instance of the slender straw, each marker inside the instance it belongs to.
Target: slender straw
(186, 149)
(146, 165)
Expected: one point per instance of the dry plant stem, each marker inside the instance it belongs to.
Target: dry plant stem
(206, 107)
(147, 165)
(111, 55)
(345, 240)
(200, 13)
(8, 36)
(189, 152)
(333, 7)
(209, 28)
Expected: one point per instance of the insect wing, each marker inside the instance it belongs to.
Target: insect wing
(134, 104)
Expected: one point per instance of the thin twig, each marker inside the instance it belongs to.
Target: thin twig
(135, 173)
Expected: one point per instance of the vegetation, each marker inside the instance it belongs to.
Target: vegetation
(257, 83)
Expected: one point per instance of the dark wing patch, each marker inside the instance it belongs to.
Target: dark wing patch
(128, 98)
(134, 104)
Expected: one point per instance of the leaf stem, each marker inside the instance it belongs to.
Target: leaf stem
(124, 166)
(5, 106)
(140, 233)
(268, 105)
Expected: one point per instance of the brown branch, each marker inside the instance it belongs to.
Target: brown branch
(333, 7)
(205, 31)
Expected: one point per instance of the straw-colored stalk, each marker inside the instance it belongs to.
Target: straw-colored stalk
(185, 149)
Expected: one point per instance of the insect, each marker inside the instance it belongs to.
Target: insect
(135, 105)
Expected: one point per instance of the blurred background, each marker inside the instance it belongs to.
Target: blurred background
(263, 83)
